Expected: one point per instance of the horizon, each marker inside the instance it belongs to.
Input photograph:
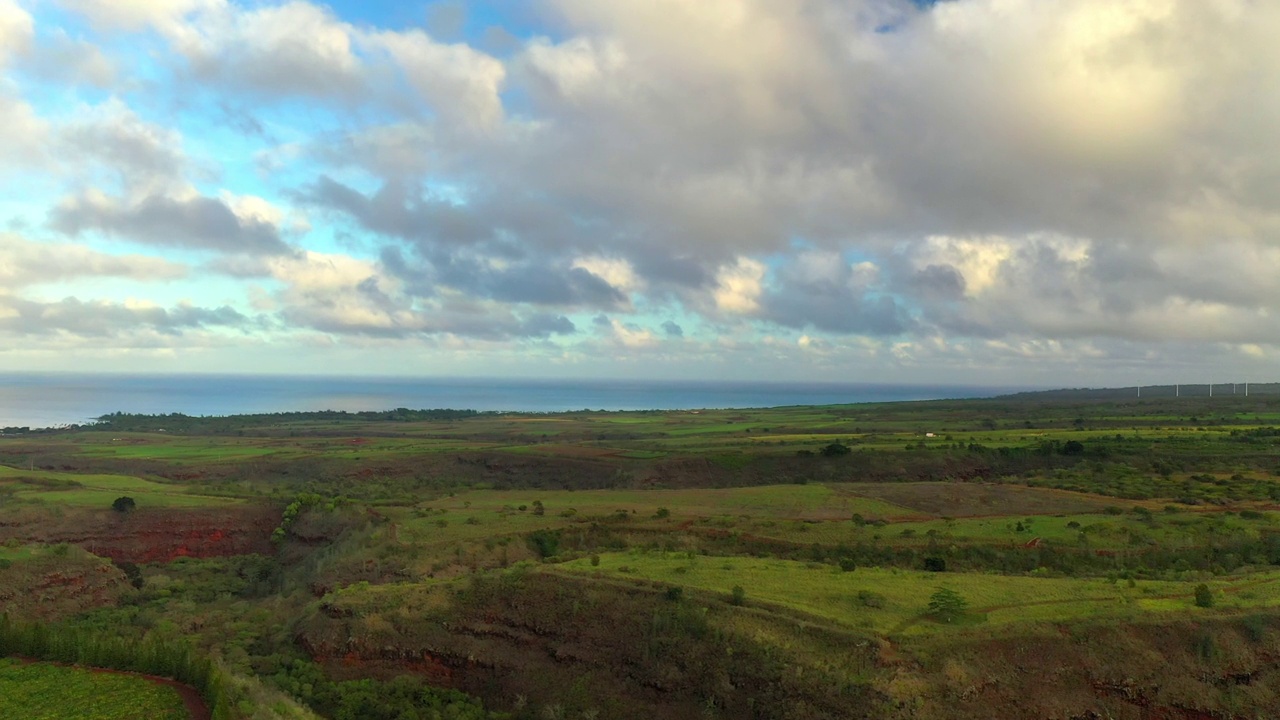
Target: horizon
(52, 401)
(904, 191)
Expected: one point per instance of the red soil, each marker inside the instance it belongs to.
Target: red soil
(156, 535)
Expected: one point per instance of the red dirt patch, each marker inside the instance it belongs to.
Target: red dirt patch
(153, 534)
(51, 587)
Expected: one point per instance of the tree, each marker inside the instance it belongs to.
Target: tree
(947, 605)
(538, 509)
(739, 595)
(123, 504)
(1204, 596)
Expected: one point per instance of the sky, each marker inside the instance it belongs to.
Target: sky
(1041, 192)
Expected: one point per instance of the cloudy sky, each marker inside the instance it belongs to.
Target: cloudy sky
(1057, 192)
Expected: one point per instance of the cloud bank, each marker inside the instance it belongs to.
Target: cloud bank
(1022, 190)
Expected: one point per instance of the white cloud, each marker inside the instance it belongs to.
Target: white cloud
(145, 157)
(134, 15)
(24, 139)
(292, 48)
(982, 176)
(617, 272)
(738, 287)
(455, 80)
(25, 262)
(16, 30)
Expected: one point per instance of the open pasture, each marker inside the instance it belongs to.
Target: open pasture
(903, 595)
(946, 499)
(802, 502)
(480, 514)
(95, 490)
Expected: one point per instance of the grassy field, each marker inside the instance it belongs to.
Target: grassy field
(825, 591)
(534, 541)
(41, 691)
(95, 490)
(484, 513)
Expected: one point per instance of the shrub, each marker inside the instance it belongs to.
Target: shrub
(545, 542)
(1204, 596)
(123, 504)
(847, 564)
(935, 564)
(869, 599)
(836, 450)
(674, 593)
(739, 596)
(662, 513)
(595, 561)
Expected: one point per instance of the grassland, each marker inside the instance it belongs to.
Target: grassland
(41, 691)
(828, 592)
(98, 490)
(511, 555)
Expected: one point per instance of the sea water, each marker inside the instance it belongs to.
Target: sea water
(54, 399)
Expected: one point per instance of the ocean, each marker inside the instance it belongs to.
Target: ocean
(54, 399)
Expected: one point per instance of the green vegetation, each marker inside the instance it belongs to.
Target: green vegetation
(879, 560)
(41, 691)
(947, 605)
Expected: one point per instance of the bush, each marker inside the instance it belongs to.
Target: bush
(869, 599)
(662, 513)
(935, 564)
(674, 593)
(847, 564)
(123, 504)
(836, 450)
(739, 596)
(1204, 596)
(544, 542)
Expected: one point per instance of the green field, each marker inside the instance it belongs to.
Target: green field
(42, 691)
(585, 563)
(98, 490)
(825, 591)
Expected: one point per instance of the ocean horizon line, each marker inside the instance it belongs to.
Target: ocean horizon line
(58, 399)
